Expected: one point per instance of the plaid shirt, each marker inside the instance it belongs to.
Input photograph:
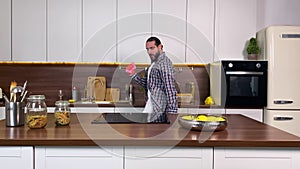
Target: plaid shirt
(161, 84)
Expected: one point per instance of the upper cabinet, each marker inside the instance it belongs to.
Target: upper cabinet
(28, 30)
(192, 31)
(200, 31)
(169, 24)
(235, 24)
(134, 27)
(5, 30)
(99, 30)
(64, 31)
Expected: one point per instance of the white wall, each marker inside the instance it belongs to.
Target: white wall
(277, 12)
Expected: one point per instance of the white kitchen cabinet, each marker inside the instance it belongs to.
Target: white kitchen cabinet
(94, 109)
(182, 110)
(169, 24)
(256, 114)
(78, 157)
(16, 157)
(29, 30)
(140, 109)
(258, 158)
(200, 31)
(235, 24)
(2, 112)
(82, 109)
(168, 157)
(134, 27)
(206, 111)
(5, 30)
(99, 30)
(64, 30)
(129, 109)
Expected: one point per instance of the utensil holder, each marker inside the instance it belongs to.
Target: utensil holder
(14, 113)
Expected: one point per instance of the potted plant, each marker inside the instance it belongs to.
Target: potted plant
(253, 49)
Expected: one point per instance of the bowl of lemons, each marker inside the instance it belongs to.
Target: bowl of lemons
(203, 122)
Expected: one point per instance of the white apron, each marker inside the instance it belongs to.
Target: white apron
(148, 107)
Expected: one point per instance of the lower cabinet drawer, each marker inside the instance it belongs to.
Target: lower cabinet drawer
(256, 157)
(16, 157)
(79, 157)
(168, 157)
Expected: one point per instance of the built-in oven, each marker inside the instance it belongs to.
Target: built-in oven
(239, 83)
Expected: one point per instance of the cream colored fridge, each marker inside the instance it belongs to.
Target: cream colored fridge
(281, 48)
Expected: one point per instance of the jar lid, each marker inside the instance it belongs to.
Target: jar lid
(62, 103)
(36, 97)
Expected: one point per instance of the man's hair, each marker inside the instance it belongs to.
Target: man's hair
(157, 41)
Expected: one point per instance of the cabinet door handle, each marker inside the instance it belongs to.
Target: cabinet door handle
(283, 118)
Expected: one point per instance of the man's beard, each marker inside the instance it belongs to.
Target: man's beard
(156, 55)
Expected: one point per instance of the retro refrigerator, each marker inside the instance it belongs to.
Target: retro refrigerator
(281, 48)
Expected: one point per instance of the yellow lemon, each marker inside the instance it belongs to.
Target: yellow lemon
(209, 101)
(211, 118)
(220, 119)
(188, 117)
(201, 118)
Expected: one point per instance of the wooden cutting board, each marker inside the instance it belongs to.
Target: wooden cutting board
(98, 85)
(112, 94)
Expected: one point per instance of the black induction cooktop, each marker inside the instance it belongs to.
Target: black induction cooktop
(126, 118)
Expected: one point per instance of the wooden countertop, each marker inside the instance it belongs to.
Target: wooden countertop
(240, 132)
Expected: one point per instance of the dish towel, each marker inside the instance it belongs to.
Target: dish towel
(148, 108)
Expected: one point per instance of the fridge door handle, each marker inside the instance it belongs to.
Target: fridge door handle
(282, 101)
(283, 118)
(290, 36)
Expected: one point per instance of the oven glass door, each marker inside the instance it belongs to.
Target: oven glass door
(246, 88)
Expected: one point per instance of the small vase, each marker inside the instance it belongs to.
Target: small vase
(252, 56)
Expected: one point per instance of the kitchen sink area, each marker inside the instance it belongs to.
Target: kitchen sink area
(126, 118)
(94, 102)
(102, 102)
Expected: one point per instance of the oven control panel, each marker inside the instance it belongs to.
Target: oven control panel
(245, 65)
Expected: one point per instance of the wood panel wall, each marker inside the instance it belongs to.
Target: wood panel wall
(48, 78)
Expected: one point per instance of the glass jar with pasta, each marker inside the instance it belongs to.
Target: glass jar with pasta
(36, 112)
(62, 113)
